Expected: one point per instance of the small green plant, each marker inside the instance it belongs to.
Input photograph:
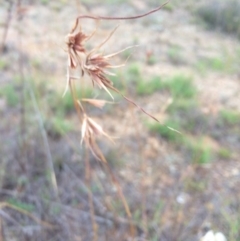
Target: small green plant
(134, 70)
(45, 2)
(64, 105)
(217, 64)
(166, 132)
(118, 80)
(195, 186)
(58, 126)
(21, 205)
(223, 15)
(169, 7)
(182, 105)
(181, 86)
(151, 60)
(10, 94)
(149, 87)
(224, 153)
(198, 152)
(3, 64)
(229, 117)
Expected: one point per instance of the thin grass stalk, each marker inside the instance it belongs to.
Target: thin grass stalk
(96, 66)
(74, 96)
(121, 195)
(45, 141)
(143, 166)
(90, 195)
(140, 147)
(116, 18)
(23, 144)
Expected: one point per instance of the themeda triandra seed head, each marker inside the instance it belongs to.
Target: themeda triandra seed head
(75, 48)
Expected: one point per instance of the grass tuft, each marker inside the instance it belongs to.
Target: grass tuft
(10, 94)
(224, 153)
(149, 87)
(222, 15)
(165, 132)
(199, 152)
(229, 117)
(57, 127)
(181, 86)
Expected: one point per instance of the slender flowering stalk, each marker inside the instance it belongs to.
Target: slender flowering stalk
(97, 67)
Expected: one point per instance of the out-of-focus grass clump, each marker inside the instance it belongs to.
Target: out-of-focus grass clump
(222, 15)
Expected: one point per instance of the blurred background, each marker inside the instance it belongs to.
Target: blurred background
(185, 71)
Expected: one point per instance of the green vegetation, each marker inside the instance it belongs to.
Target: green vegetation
(3, 64)
(10, 94)
(58, 126)
(165, 132)
(134, 70)
(224, 153)
(223, 15)
(169, 7)
(195, 186)
(45, 2)
(180, 86)
(184, 116)
(182, 105)
(118, 80)
(229, 117)
(199, 152)
(218, 64)
(21, 205)
(149, 87)
(175, 55)
(63, 105)
(151, 60)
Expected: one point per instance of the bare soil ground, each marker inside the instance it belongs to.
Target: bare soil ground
(171, 191)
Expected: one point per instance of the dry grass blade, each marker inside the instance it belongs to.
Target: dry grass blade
(42, 223)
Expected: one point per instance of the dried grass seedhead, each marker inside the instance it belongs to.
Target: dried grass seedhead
(75, 41)
(75, 44)
(90, 130)
(96, 66)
